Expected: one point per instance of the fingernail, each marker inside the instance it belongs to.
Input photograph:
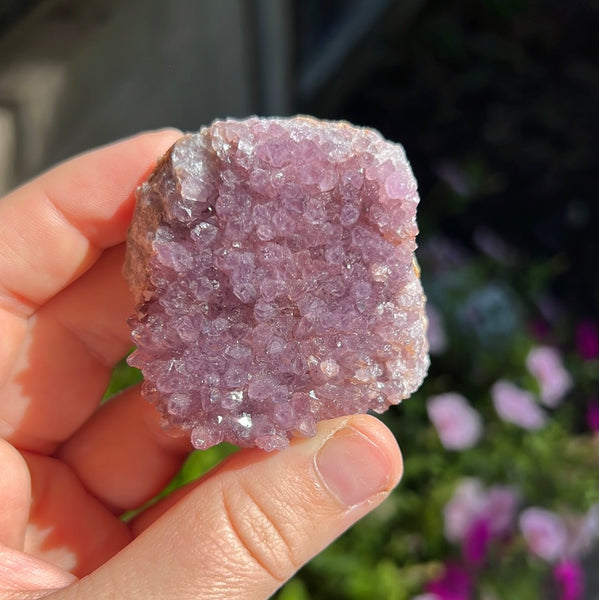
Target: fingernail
(353, 467)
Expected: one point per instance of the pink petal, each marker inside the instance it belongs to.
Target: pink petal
(544, 533)
(517, 406)
(545, 363)
(459, 426)
(465, 506)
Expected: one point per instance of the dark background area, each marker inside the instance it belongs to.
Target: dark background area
(496, 103)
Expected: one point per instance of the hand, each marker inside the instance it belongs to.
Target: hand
(68, 468)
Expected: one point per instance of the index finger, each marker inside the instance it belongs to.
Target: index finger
(54, 228)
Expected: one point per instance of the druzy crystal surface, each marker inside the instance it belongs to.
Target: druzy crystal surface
(272, 265)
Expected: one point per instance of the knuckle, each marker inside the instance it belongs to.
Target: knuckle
(261, 531)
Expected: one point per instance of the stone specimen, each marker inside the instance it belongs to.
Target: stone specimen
(272, 265)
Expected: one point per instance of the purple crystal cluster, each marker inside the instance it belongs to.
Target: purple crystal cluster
(272, 265)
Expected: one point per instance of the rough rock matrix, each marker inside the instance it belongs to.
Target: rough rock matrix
(273, 270)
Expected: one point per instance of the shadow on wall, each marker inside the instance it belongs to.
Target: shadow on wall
(76, 75)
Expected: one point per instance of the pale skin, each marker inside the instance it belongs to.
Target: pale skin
(68, 468)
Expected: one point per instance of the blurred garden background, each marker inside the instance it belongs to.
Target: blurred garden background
(496, 103)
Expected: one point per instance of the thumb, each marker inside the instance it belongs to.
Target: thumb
(250, 525)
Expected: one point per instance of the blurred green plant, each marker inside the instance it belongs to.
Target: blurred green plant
(491, 323)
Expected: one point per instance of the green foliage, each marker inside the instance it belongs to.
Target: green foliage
(397, 549)
(486, 308)
(199, 463)
(294, 590)
(401, 546)
(123, 376)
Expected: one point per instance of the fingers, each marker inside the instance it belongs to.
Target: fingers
(68, 527)
(94, 309)
(76, 338)
(247, 528)
(15, 497)
(122, 455)
(52, 231)
(22, 573)
(55, 227)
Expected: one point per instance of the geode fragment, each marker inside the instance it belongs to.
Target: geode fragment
(272, 265)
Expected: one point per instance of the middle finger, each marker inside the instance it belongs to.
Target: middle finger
(67, 357)
(122, 454)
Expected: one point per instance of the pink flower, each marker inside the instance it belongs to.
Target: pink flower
(501, 504)
(465, 506)
(539, 329)
(545, 533)
(587, 339)
(493, 246)
(474, 517)
(478, 539)
(582, 531)
(437, 339)
(455, 177)
(593, 414)
(459, 426)
(560, 537)
(545, 363)
(569, 577)
(454, 584)
(517, 406)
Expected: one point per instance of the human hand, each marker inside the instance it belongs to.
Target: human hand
(68, 467)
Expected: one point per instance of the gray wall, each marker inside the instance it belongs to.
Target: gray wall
(77, 74)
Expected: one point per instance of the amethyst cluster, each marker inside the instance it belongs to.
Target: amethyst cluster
(273, 269)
